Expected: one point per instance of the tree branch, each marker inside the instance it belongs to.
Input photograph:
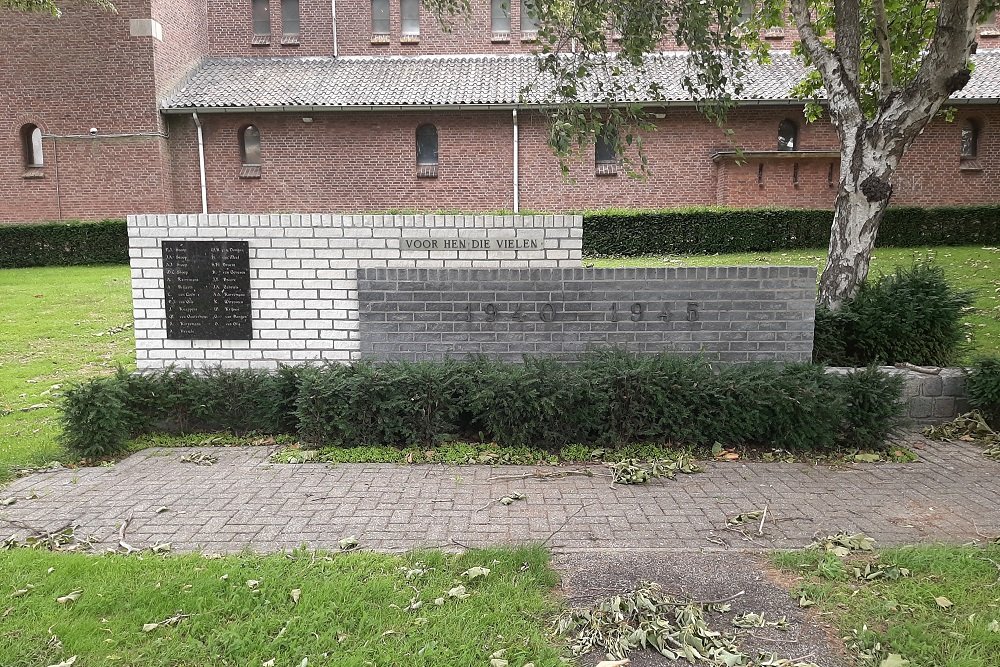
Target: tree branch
(847, 36)
(884, 47)
(943, 71)
(841, 90)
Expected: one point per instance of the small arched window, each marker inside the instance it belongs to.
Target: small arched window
(427, 150)
(606, 153)
(970, 139)
(529, 17)
(788, 135)
(409, 11)
(261, 18)
(31, 146)
(250, 152)
(380, 17)
(290, 21)
(500, 16)
(250, 146)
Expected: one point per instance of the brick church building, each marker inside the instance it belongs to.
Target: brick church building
(369, 105)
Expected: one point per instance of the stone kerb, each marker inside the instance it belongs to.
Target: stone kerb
(303, 274)
(935, 396)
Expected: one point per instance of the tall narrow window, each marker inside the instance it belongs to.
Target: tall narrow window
(380, 17)
(409, 11)
(289, 21)
(31, 142)
(261, 21)
(427, 150)
(970, 139)
(250, 152)
(788, 135)
(500, 16)
(529, 19)
(605, 153)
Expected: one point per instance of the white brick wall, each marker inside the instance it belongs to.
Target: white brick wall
(303, 275)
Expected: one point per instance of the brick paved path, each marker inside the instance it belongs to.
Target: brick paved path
(245, 501)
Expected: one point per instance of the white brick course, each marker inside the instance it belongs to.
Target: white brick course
(303, 271)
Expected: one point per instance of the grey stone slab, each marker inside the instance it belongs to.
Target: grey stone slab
(648, 310)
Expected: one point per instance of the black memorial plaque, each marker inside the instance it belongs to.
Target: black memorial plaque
(207, 290)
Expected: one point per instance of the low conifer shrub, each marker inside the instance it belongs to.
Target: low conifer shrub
(609, 399)
(913, 315)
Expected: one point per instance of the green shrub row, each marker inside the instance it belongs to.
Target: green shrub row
(713, 230)
(608, 399)
(63, 244)
(605, 233)
(913, 315)
(983, 388)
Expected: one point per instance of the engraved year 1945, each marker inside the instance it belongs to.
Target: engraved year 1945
(546, 312)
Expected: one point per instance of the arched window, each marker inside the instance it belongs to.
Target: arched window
(427, 150)
(31, 143)
(606, 153)
(409, 11)
(380, 17)
(529, 19)
(746, 11)
(261, 17)
(970, 139)
(788, 135)
(500, 16)
(290, 21)
(250, 146)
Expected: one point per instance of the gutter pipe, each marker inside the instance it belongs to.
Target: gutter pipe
(201, 163)
(517, 188)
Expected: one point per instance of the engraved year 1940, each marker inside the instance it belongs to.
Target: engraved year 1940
(547, 312)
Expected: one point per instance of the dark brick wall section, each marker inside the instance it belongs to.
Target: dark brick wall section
(730, 314)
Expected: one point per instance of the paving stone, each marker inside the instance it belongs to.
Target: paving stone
(243, 501)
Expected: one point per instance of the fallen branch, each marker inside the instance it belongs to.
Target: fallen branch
(121, 534)
(760, 528)
(926, 370)
(563, 525)
(545, 476)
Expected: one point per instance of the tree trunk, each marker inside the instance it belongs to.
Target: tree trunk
(865, 189)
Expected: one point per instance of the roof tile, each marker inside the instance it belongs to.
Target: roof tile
(467, 80)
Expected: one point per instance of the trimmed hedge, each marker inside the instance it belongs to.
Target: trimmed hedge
(715, 230)
(609, 398)
(63, 244)
(605, 233)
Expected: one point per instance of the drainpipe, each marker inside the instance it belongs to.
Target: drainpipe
(201, 163)
(333, 8)
(517, 193)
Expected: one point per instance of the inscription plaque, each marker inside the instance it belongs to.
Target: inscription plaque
(207, 290)
(459, 243)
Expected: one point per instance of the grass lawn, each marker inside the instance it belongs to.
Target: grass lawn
(56, 325)
(970, 267)
(945, 614)
(353, 610)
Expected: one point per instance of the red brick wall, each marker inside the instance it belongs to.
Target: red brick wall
(185, 40)
(351, 161)
(361, 161)
(681, 169)
(469, 34)
(67, 75)
(230, 25)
